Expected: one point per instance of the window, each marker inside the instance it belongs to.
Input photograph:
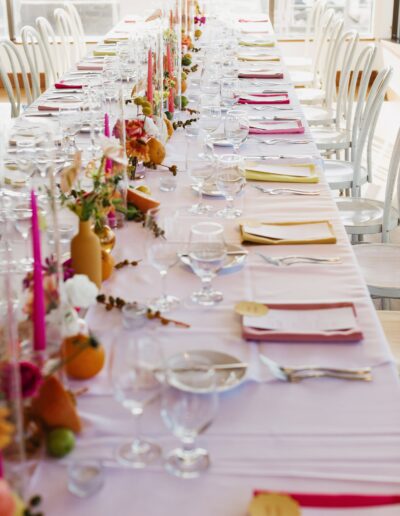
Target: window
(290, 16)
(3, 20)
(98, 16)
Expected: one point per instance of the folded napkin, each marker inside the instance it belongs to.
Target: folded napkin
(256, 43)
(55, 106)
(277, 127)
(288, 233)
(308, 322)
(261, 20)
(104, 53)
(339, 500)
(264, 98)
(260, 57)
(115, 39)
(254, 74)
(90, 67)
(64, 86)
(281, 172)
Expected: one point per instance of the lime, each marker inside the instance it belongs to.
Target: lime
(60, 442)
(144, 188)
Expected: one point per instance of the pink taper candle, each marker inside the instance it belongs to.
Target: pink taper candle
(1, 466)
(150, 76)
(39, 313)
(108, 165)
(170, 70)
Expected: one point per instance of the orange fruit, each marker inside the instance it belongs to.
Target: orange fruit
(184, 86)
(141, 200)
(156, 151)
(86, 363)
(55, 406)
(170, 127)
(107, 265)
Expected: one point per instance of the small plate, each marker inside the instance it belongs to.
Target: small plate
(209, 189)
(226, 380)
(232, 262)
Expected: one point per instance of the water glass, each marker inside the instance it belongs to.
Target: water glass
(134, 367)
(230, 179)
(207, 253)
(70, 121)
(237, 127)
(229, 90)
(162, 252)
(189, 406)
(210, 118)
(200, 171)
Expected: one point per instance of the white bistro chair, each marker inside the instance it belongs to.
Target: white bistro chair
(11, 62)
(68, 38)
(77, 27)
(380, 263)
(57, 61)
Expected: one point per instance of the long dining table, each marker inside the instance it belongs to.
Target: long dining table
(317, 436)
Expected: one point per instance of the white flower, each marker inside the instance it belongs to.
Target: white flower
(112, 149)
(80, 291)
(151, 128)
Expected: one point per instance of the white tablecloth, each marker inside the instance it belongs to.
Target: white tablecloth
(317, 436)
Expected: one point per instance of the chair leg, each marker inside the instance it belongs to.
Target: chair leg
(347, 192)
(385, 303)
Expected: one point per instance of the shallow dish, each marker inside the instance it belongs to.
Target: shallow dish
(232, 263)
(226, 380)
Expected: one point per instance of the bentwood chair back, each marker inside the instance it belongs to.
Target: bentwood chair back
(78, 27)
(11, 62)
(68, 38)
(37, 58)
(56, 59)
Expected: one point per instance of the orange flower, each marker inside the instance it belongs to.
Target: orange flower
(137, 149)
(6, 428)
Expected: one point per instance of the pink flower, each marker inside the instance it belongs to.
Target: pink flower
(31, 379)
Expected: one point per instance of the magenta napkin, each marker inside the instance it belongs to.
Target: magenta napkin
(64, 86)
(261, 75)
(266, 98)
(270, 128)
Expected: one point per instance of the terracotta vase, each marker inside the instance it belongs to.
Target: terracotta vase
(86, 253)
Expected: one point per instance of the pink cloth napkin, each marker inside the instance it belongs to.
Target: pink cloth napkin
(269, 128)
(64, 86)
(340, 500)
(261, 75)
(263, 335)
(90, 67)
(266, 98)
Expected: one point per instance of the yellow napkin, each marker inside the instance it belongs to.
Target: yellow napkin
(256, 239)
(110, 41)
(104, 52)
(269, 59)
(252, 175)
(256, 44)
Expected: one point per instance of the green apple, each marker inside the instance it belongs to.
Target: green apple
(60, 442)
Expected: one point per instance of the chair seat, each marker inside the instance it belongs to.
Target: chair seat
(311, 95)
(316, 115)
(380, 266)
(330, 138)
(339, 174)
(303, 63)
(362, 216)
(302, 78)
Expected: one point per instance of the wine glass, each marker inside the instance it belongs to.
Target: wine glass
(199, 171)
(162, 252)
(207, 252)
(189, 405)
(237, 128)
(229, 90)
(135, 368)
(230, 179)
(210, 118)
(25, 152)
(22, 214)
(70, 121)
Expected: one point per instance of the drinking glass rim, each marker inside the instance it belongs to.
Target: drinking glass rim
(218, 228)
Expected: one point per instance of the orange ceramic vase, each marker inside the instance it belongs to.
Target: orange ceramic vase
(86, 253)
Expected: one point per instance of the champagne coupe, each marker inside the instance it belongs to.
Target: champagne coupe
(207, 252)
(230, 180)
(136, 384)
(189, 406)
(237, 128)
(162, 252)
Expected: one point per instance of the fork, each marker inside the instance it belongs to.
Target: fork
(263, 108)
(293, 260)
(296, 374)
(279, 191)
(276, 141)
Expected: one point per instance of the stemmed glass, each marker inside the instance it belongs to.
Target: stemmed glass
(210, 117)
(229, 90)
(70, 123)
(135, 375)
(162, 252)
(189, 405)
(237, 128)
(200, 171)
(207, 252)
(22, 214)
(230, 179)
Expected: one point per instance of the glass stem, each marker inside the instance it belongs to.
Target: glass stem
(188, 445)
(138, 427)
(206, 285)
(229, 203)
(163, 275)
